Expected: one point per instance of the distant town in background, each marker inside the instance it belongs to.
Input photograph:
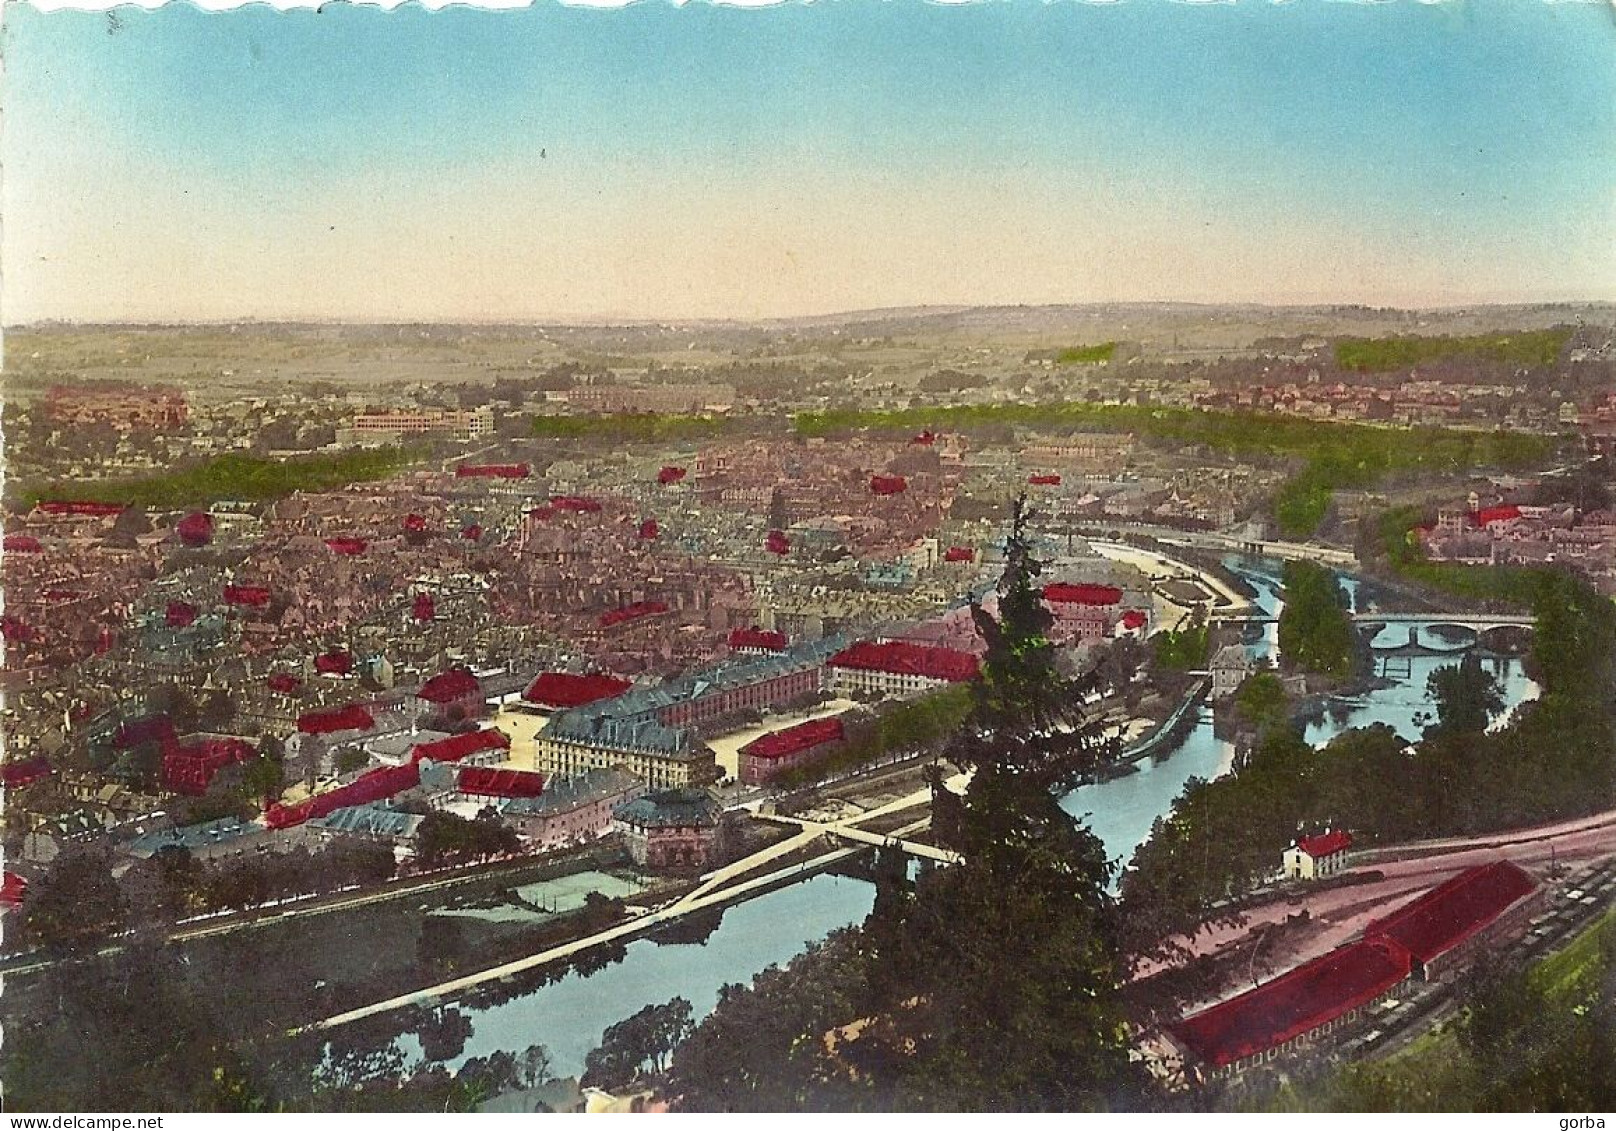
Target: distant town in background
(436, 658)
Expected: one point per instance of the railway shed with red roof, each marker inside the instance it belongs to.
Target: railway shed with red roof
(1444, 926)
(1301, 1006)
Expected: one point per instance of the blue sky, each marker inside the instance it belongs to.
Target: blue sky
(656, 161)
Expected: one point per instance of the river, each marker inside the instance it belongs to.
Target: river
(569, 1016)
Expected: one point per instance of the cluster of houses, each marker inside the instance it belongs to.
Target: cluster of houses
(1515, 534)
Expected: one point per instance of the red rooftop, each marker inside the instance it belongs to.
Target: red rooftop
(639, 610)
(486, 781)
(1063, 593)
(493, 471)
(901, 658)
(564, 689)
(458, 746)
(351, 717)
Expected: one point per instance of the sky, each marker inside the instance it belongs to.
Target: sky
(662, 162)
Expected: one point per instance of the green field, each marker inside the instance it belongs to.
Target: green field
(633, 427)
(1380, 355)
(232, 476)
(1086, 355)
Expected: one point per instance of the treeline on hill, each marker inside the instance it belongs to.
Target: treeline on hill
(1382, 355)
(1337, 456)
(644, 427)
(1396, 545)
(1315, 629)
(1556, 759)
(231, 476)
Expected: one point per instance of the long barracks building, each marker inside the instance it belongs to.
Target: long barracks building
(1427, 939)
(653, 732)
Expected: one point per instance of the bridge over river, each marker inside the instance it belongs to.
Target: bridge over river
(1477, 621)
(725, 885)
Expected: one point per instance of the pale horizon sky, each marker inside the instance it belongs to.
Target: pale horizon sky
(671, 163)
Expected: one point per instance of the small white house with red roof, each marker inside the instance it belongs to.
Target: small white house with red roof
(1318, 855)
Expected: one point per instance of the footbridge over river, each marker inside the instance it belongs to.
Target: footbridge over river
(728, 884)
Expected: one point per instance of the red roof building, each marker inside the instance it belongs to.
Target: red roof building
(336, 662)
(84, 510)
(1044, 480)
(255, 596)
(415, 524)
(284, 683)
(1135, 619)
(1487, 515)
(15, 775)
(424, 608)
(1318, 855)
(777, 543)
(457, 685)
(152, 728)
(757, 640)
(649, 529)
(351, 717)
(767, 757)
(1436, 927)
(377, 785)
(896, 666)
(639, 610)
(471, 533)
(493, 471)
(563, 690)
(179, 614)
(959, 554)
(12, 890)
(458, 746)
(669, 475)
(888, 484)
(16, 631)
(1430, 934)
(1063, 593)
(191, 766)
(1295, 1006)
(348, 547)
(575, 504)
(22, 544)
(926, 438)
(195, 529)
(485, 781)
(1326, 843)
